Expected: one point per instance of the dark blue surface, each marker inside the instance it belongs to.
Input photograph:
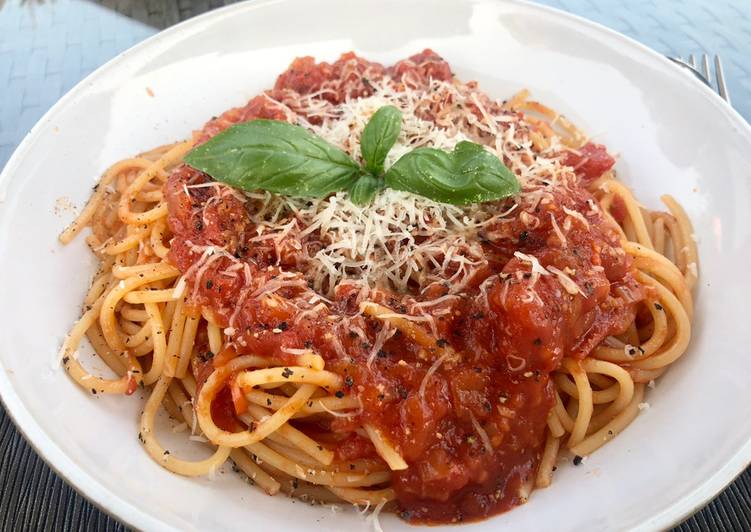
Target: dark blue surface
(46, 47)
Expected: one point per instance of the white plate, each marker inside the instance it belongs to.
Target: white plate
(674, 136)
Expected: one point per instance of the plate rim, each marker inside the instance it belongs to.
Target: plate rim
(118, 507)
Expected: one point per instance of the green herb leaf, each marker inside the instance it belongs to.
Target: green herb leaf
(379, 136)
(275, 156)
(468, 174)
(364, 189)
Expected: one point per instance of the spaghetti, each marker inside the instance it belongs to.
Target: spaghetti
(435, 359)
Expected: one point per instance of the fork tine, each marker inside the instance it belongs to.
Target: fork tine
(705, 68)
(692, 60)
(694, 72)
(720, 77)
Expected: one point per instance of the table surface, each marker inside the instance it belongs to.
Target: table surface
(47, 46)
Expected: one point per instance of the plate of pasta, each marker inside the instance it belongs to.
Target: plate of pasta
(466, 263)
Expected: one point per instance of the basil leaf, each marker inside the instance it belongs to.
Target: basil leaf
(364, 189)
(275, 156)
(379, 136)
(468, 174)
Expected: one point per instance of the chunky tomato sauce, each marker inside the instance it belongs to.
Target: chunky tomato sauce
(475, 437)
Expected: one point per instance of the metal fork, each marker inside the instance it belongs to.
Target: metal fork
(703, 72)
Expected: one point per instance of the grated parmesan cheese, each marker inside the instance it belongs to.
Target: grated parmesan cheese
(401, 239)
(567, 282)
(577, 215)
(534, 263)
(482, 433)
(558, 232)
(433, 368)
(373, 518)
(382, 337)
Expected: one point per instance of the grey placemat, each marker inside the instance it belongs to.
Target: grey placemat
(47, 46)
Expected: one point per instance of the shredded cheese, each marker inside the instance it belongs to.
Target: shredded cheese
(577, 215)
(373, 518)
(558, 232)
(534, 263)
(337, 414)
(433, 368)
(401, 239)
(482, 433)
(382, 337)
(567, 282)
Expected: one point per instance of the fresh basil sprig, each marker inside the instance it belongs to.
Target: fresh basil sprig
(275, 156)
(364, 189)
(288, 159)
(379, 136)
(468, 174)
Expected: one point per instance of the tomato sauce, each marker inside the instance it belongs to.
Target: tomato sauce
(475, 437)
(590, 161)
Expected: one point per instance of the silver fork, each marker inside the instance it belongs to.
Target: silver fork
(703, 72)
